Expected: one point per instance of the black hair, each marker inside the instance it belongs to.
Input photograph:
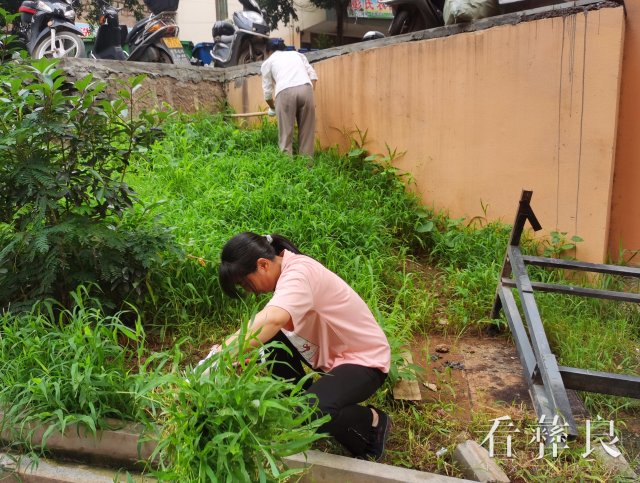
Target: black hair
(275, 44)
(240, 256)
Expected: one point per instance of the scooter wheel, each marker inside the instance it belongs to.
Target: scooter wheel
(249, 53)
(65, 44)
(399, 24)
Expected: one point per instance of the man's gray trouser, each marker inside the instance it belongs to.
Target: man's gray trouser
(296, 104)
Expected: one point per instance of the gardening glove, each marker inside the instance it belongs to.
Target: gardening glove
(271, 112)
(214, 350)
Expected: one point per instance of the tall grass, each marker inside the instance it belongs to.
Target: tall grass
(217, 180)
(62, 367)
(236, 424)
(358, 219)
(211, 180)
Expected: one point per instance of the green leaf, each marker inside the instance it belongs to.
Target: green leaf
(82, 84)
(425, 227)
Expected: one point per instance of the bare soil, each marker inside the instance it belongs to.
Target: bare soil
(476, 373)
(482, 374)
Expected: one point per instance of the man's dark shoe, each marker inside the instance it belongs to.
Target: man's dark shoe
(379, 436)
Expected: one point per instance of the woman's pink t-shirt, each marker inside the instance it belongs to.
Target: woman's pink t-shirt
(331, 324)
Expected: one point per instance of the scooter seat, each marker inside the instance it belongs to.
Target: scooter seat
(27, 10)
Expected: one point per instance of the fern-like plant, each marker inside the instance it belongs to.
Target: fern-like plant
(67, 216)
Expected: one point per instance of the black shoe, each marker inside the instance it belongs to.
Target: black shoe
(379, 436)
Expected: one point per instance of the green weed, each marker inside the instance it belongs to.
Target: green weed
(236, 424)
(60, 367)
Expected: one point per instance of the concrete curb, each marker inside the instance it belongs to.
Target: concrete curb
(477, 464)
(119, 448)
(323, 468)
(47, 471)
(116, 448)
(329, 468)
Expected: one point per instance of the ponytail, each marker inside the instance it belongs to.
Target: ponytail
(240, 256)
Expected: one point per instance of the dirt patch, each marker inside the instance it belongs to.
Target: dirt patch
(476, 373)
(483, 374)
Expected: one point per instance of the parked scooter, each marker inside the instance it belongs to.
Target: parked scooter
(111, 36)
(244, 40)
(414, 15)
(48, 30)
(155, 38)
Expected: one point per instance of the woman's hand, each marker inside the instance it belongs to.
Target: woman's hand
(214, 350)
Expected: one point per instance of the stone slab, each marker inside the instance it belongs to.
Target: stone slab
(476, 463)
(619, 466)
(329, 468)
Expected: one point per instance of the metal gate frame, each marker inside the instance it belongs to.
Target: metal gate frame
(548, 382)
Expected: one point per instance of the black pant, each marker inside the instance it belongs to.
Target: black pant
(338, 393)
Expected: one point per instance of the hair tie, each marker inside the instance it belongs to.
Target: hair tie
(269, 239)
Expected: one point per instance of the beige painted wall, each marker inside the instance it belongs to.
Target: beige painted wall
(625, 210)
(196, 17)
(482, 115)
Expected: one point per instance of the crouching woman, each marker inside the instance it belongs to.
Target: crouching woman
(326, 325)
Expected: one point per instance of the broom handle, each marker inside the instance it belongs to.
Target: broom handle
(248, 114)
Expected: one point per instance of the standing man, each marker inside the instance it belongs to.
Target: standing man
(288, 81)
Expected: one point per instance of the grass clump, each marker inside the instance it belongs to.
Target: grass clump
(236, 424)
(78, 368)
(67, 366)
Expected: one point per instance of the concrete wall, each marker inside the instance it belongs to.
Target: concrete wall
(185, 88)
(481, 115)
(520, 101)
(625, 204)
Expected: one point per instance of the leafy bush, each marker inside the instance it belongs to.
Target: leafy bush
(236, 424)
(64, 204)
